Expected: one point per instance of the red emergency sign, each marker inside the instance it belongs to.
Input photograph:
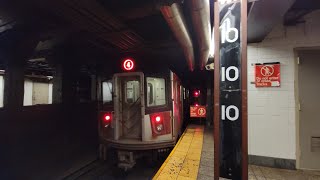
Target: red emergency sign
(267, 75)
(198, 111)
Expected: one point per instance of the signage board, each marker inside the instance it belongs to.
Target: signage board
(267, 75)
(198, 111)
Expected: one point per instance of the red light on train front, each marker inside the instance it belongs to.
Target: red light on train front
(160, 123)
(157, 122)
(158, 119)
(107, 117)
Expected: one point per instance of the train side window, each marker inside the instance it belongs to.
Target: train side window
(156, 92)
(107, 91)
(132, 91)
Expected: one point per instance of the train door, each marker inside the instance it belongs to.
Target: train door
(129, 105)
(176, 96)
(309, 123)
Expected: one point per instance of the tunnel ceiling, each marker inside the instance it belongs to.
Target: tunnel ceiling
(122, 28)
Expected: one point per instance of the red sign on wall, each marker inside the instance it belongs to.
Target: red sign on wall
(198, 111)
(267, 75)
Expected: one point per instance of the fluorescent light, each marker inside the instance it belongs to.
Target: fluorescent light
(50, 77)
(212, 45)
(226, 1)
(37, 60)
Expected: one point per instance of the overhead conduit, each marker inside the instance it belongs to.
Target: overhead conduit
(176, 21)
(200, 11)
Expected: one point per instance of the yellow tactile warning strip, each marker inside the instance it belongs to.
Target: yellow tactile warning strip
(183, 161)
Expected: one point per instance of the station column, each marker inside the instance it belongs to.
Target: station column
(16, 47)
(230, 88)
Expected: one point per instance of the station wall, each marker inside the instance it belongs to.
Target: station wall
(37, 93)
(28, 88)
(49, 141)
(272, 118)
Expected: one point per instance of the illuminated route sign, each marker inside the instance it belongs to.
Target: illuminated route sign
(128, 64)
(230, 103)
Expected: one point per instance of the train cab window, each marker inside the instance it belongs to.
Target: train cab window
(107, 91)
(156, 92)
(132, 91)
(1, 90)
(150, 93)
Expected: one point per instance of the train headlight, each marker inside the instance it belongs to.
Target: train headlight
(159, 127)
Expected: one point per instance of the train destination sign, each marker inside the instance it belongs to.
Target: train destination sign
(231, 101)
(267, 75)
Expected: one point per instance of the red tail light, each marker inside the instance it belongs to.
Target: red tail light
(107, 117)
(158, 119)
(160, 123)
(157, 123)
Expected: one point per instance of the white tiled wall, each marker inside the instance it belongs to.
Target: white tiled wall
(50, 93)
(29, 93)
(28, 89)
(272, 121)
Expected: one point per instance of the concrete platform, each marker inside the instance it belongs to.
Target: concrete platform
(193, 158)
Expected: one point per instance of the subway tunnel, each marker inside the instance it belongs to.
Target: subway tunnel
(114, 89)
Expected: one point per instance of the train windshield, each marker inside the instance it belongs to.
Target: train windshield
(107, 91)
(156, 92)
(132, 91)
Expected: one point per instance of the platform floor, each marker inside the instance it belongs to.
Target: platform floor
(193, 158)
(184, 160)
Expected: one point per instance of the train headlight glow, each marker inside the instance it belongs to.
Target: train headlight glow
(159, 127)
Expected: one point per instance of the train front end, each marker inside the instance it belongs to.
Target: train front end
(145, 117)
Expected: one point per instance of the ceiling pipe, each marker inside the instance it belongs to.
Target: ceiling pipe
(200, 12)
(176, 21)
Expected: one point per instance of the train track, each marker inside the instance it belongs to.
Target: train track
(85, 170)
(104, 170)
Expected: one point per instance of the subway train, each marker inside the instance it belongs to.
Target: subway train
(141, 114)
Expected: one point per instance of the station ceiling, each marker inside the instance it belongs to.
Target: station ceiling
(104, 31)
